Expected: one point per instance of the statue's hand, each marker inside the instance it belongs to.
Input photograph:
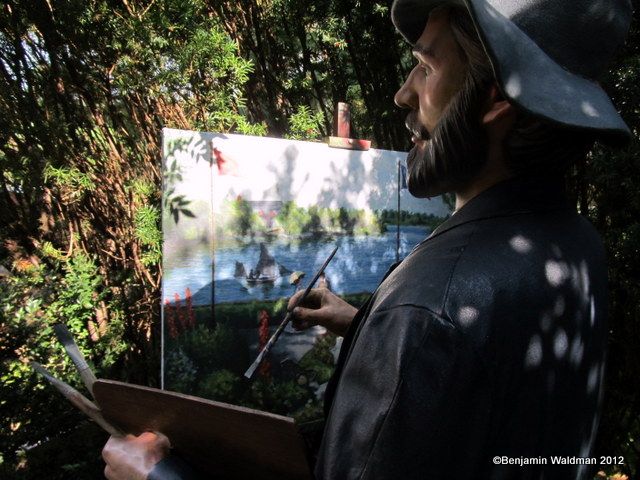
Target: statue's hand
(322, 307)
(131, 457)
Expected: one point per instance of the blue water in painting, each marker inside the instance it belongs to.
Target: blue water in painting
(359, 265)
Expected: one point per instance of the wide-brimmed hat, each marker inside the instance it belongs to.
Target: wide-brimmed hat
(546, 54)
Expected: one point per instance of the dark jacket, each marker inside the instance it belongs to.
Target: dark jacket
(488, 340)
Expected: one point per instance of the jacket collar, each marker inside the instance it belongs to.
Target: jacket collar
(523, 194)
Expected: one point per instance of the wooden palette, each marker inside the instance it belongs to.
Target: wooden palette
(225, 441)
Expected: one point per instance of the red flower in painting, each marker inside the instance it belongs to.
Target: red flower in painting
(191, 318)
(263, 335)
(179, 310)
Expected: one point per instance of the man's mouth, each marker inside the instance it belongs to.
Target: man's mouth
(419, 135)
(418, 140)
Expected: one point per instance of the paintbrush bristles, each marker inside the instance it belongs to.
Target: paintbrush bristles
(65, 337)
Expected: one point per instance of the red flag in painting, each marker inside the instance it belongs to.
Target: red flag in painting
(226, 165)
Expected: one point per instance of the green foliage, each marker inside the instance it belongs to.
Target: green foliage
(210, 362)
(245, 314)
(222, 385)
(318, 362)
(390, 217)
(305, 124)
(180, 371)
(312, 412)
(85, 436)
(243, 220)
(147, 231)
(282, 398)
(176, 204)
(295, 220)
(70, 180)
(212, 349)
(189, 56)
(32, 301)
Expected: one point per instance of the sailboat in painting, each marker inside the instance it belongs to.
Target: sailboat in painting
(267, 270)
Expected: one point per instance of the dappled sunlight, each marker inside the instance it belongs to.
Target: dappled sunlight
(556, 272)
(560, 343)
(533, 357)
(520, 244)
(564, 348)
(588, 108)
(559, 332)
(584, 282)
(467, 315)
(571, 96)
(529, 305)
(295, 198)
(513, 86)
(577, 351)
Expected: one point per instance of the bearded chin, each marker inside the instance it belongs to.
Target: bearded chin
(425, 177)
(456, 151)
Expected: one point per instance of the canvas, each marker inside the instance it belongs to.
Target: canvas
(246, 222)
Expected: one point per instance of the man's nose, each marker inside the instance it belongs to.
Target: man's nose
(405, 97)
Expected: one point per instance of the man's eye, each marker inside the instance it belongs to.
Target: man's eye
(425, 69)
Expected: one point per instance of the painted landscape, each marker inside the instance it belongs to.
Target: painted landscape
(246, 222)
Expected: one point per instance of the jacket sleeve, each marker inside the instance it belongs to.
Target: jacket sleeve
(411, 392)
(173, 468)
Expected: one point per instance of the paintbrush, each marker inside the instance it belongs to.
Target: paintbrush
(250, 371)
(78, 400)
(65, 338)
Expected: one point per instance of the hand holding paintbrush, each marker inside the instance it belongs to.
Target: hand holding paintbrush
(321, 307)
(250, 371)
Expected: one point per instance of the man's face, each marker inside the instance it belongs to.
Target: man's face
(436, 78)
(432, 84)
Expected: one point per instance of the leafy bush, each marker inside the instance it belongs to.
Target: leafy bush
(305, 124)
(211, 349)
(318, 362)
(32, 301)
(180, 371)
(221, 385)
(282, 398)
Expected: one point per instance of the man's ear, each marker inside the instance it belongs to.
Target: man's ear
(500, 113)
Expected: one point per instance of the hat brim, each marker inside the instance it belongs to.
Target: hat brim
(527, 76)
